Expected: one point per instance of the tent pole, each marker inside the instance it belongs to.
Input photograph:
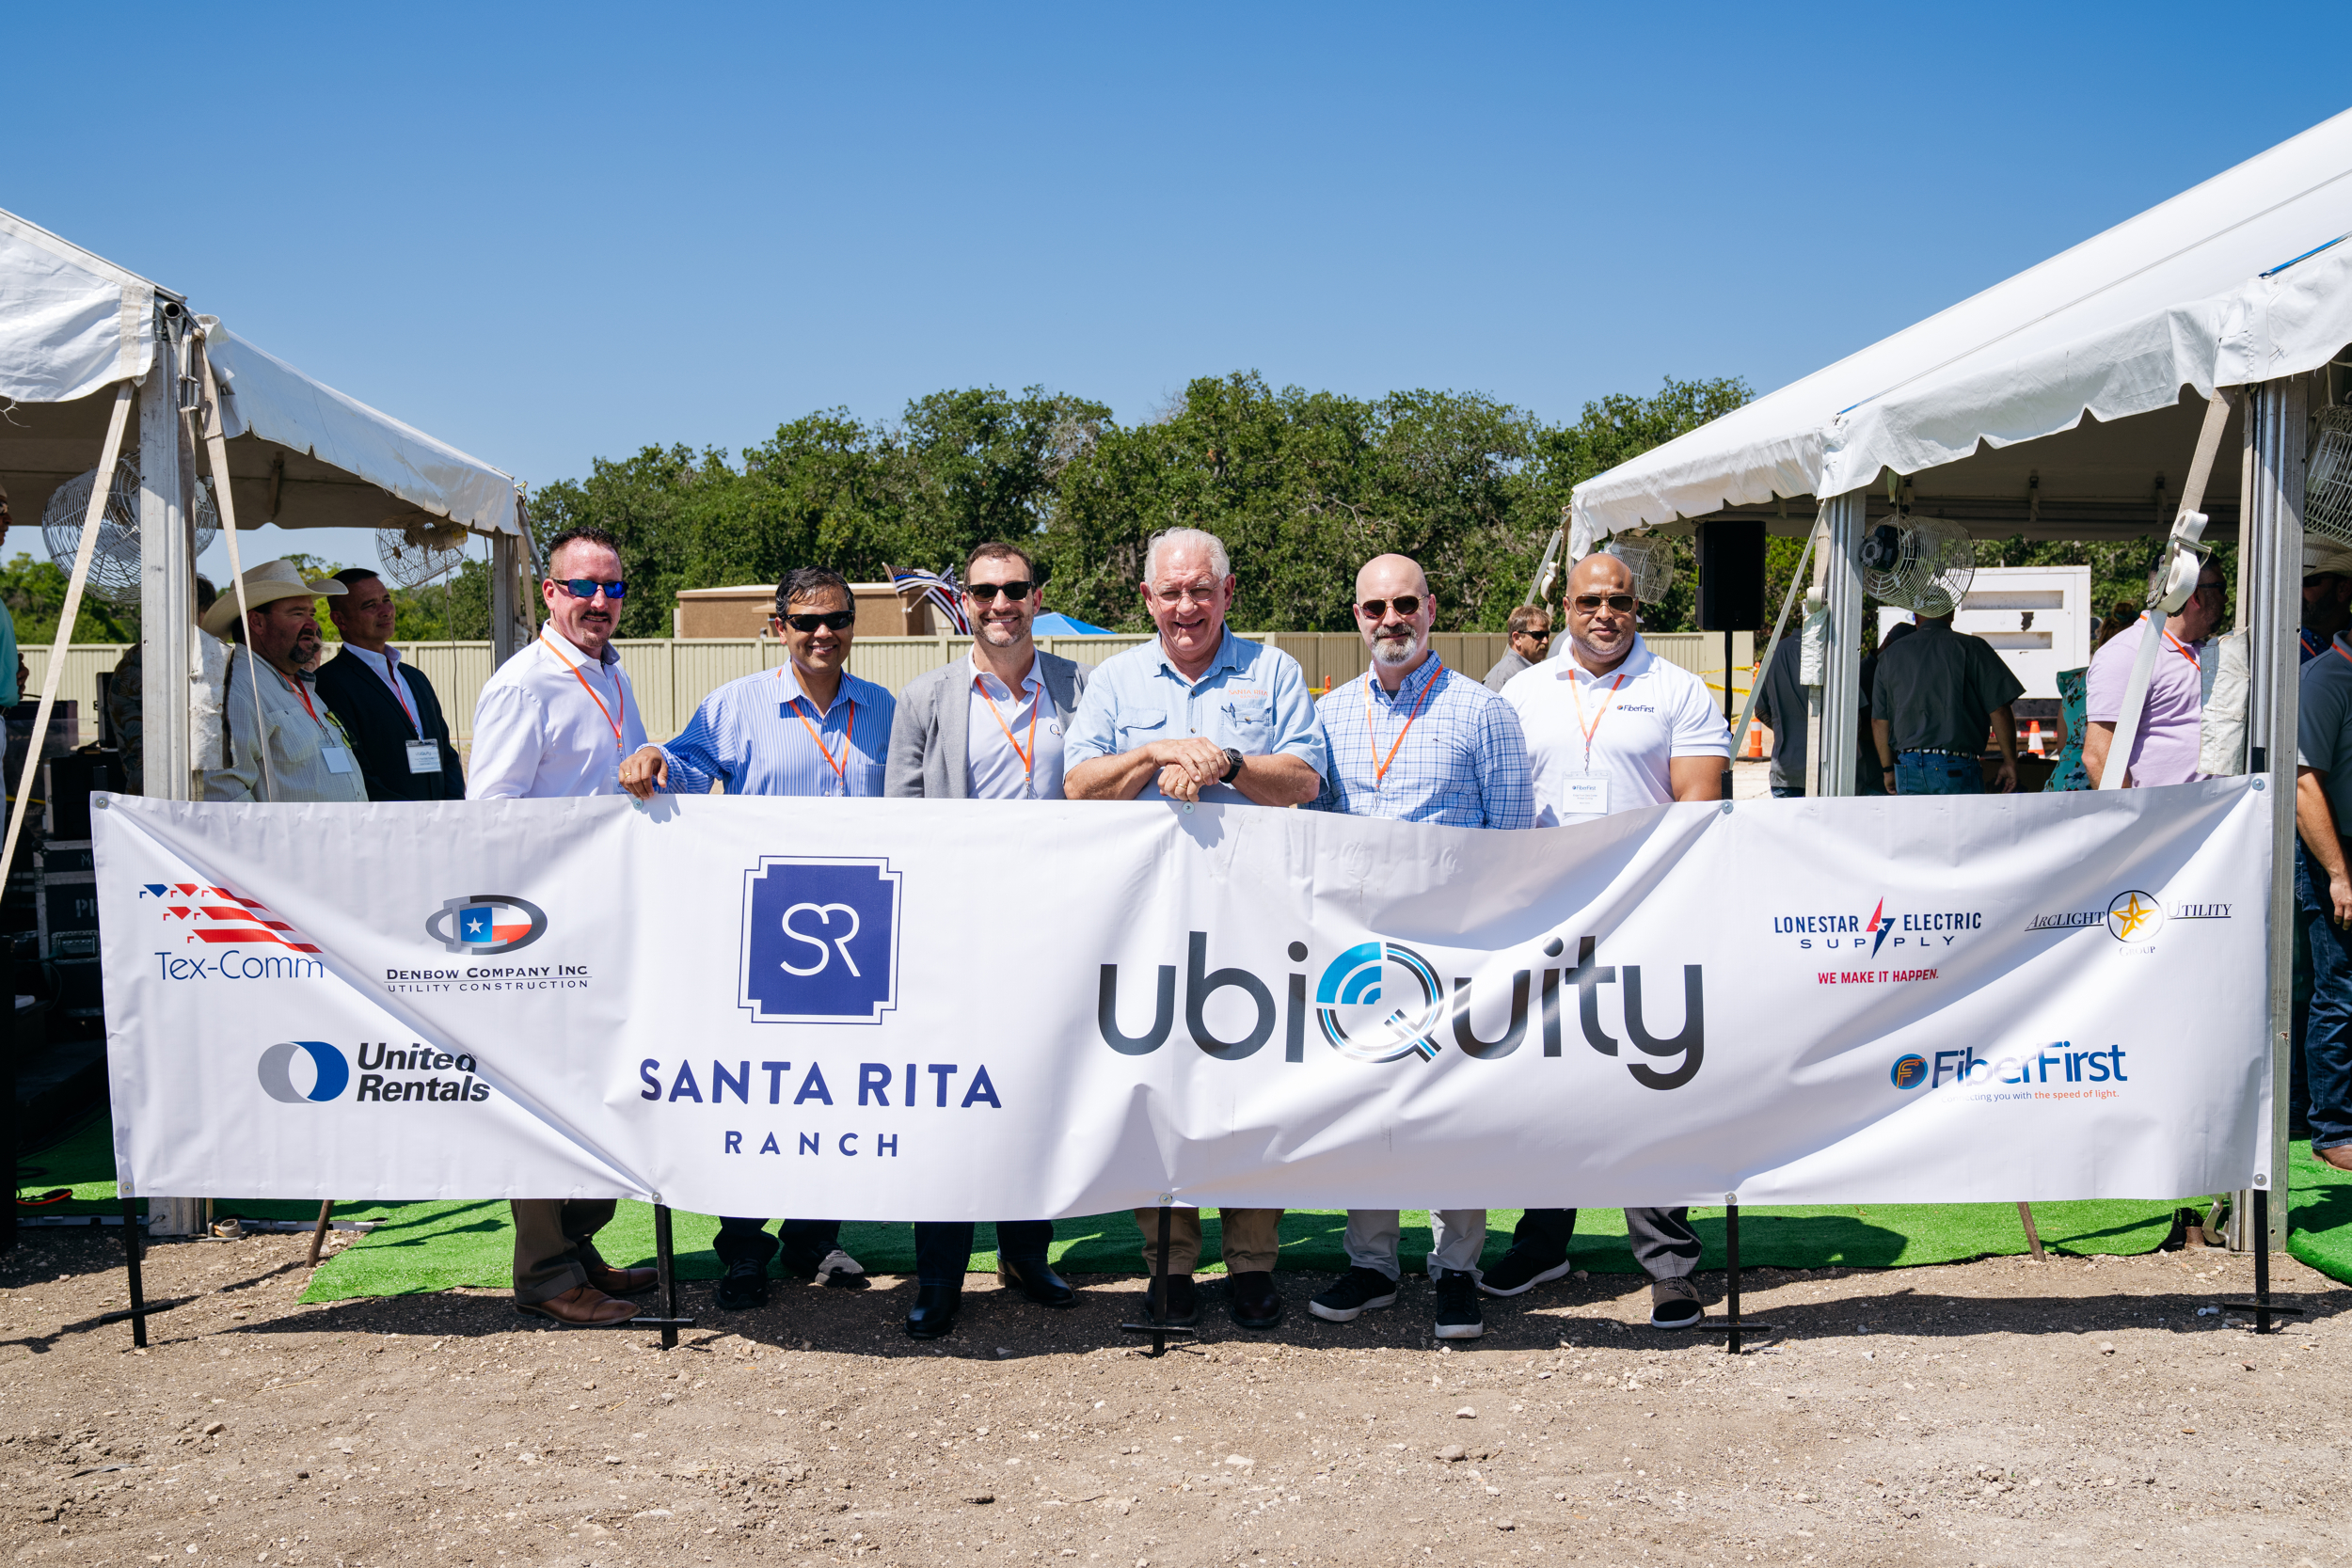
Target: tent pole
(2271, 526)
(506, 636)
(1841, 689)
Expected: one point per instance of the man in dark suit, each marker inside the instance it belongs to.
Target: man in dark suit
(387, 706)
(988, 727)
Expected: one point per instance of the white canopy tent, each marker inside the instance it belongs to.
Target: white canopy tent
(75, 329)
(2065, 403)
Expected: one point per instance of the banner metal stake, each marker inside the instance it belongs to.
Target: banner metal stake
(139, 1288)
(662, 1259)
(318, 1234)
(1155, 1323)
(1730, 1324)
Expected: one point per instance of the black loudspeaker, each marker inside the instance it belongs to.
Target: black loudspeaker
(1731, 575)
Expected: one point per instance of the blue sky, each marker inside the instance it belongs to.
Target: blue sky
(552, 234)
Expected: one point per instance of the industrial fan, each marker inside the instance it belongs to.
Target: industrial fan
(415, 547)
(2327, 482)
(114, 567)
(1650, 560)
(1920, 563)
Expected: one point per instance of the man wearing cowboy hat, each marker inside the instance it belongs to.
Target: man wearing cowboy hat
(1931, 700)
(2326, 592)
(309, 757)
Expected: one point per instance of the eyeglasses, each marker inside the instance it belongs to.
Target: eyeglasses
(588, 588)
(1407, 605)
(1588, 603)
(841, 619)
(1185, 596)
(986, 592)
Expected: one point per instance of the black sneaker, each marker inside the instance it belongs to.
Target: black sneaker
(1354, 1293)
(1673, 1303)
(1183, 1308)
(1458, 1306)
(744, 1287)
(1519, 1273)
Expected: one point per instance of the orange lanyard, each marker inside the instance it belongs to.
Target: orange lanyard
(1593, 728)
(2194, 663)
(598, 700)
(1381, 772)
(840, 769)
(296, 686)
(1028, 758)
(2337, 648)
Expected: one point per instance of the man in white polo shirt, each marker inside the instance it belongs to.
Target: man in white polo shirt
(1611, 727)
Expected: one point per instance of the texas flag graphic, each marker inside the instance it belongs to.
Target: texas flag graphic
(214, 915)
(479, 922)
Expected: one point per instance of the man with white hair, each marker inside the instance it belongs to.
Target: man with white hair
(1931, 700)
(1198, 715)
(1414, 741)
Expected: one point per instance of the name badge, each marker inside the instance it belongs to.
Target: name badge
(1587, 795)
(336, 759)
(424, 756)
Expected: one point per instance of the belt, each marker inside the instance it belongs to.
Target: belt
(1937, 751)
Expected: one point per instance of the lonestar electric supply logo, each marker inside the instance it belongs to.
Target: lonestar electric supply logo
(2134, 917)
(232, 937)
(483, 922)
(820, 939)
(479, 925)
(300, 1072)
(1909, 932)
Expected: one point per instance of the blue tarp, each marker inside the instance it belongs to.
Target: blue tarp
(1054, 624)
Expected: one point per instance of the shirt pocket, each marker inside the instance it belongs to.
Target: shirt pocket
(1140, 727)
(1250, 722)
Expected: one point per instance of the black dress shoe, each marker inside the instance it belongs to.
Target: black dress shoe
(744, 1287)
(1252, 1300)
(1035, 1282)
(1183, 1308)
(934, 1311)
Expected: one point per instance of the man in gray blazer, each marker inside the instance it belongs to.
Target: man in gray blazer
(986, 728)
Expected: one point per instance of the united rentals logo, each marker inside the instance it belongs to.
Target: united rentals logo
(820, 939)
(329, 1071)
(483, 923)
(1382, 1001)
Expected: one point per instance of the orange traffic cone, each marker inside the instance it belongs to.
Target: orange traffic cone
(1756, 743)
(2033, 736)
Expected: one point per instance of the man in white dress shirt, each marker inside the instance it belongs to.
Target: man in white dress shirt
(1612, 727)
(555, 720)
(988, 727)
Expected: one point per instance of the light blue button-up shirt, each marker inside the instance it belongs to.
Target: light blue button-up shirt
(753, 736)
(1251, 698)
(1454, 751)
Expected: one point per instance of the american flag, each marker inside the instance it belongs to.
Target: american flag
(214, 915)
(941, 590)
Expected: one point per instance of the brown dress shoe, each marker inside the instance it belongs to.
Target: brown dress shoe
(621, 1282)
(2340, 1156)
(582, 1307)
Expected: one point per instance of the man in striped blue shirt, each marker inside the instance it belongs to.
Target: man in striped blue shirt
(1414, 741)
(807, 727)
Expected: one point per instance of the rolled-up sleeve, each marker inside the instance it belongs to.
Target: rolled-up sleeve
(508, 736)
(1093, 727)
(1297, 728)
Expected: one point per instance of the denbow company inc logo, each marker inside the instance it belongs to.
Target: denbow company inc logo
(820, 939)
(483, 922)
(1381, 1001)
(226, 936)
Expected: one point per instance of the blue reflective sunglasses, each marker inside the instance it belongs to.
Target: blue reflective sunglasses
(587, 588)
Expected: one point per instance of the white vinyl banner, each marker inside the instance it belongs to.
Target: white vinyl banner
(895, 1009)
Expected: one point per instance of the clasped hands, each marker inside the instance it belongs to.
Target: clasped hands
(1189, 766)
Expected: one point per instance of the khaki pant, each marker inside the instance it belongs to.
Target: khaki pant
(553, 1244)
(1251, 1239)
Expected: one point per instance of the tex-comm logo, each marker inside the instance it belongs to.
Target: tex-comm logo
(1382, 1001)
(1906, 930)
(224, 936)
(476, 926)
(2134, 917)
(299, 1072)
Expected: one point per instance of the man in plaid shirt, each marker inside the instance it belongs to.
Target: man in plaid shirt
(1414, 741)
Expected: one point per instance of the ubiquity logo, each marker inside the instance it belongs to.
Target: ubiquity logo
(1384, 1002)
(330, 1071)
(486, 923)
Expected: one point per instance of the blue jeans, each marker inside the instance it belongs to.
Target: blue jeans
(942, 1249)
(1933, 773)
(2323, 1031)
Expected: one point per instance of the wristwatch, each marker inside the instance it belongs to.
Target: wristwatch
(1232, 765)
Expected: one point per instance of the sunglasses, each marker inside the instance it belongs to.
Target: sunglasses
(1588, 603)
(841, 619)
(1406, 604)
(1536, 636)
(588, 588)
(985, 593)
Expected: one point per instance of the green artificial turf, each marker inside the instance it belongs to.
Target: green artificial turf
(2319, 1230)
(435, 1247)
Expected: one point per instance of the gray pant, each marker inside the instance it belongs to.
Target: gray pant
(1661, 1239)
(1457, 1237)
(554, 1243)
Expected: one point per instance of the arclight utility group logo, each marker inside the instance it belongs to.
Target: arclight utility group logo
(2134, 917)
(483, 923)
(820, 939)
(326, 1068)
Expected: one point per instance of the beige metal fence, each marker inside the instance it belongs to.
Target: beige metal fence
(669, 675)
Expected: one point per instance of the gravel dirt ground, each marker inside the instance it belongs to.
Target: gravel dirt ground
(2077, 1411)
